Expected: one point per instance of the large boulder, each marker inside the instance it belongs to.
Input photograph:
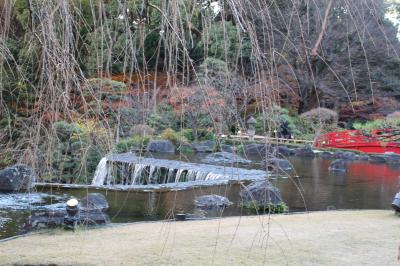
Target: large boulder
(338, 165)
(260, 194)
(204, 146)
(257, 149)
(162, 146)
(305, 151)
(94, 202)
(91, 212)
(224, 158)
(283, 151)
(277, 164)
(227, 148)
(17, 177)
(396, 202)
(55, 219)
(211, 202)
(325, 155)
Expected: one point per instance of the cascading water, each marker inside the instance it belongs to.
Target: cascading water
(101, 172)
(130, 170)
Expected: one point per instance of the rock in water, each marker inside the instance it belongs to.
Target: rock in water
(396, 202)
(17, 177)
(162, 146)
(224, 158)
(94, 202)
(338, 165)
(283, 151)
(90, 212)
(377, 158)
(212, 201)
(260, 194)
(277, 164)
(345, 155)
(227, 148)
(256, 149)
(204, 146)
(305, 151)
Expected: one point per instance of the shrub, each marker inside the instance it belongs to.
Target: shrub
(126, 145)
(320, 114)
(80, 147)
(389, 122)
(141, 130)
(170, 135)
(202, 134)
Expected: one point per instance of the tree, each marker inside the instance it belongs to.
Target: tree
(199, 106)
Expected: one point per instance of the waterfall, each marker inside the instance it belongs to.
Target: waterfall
(152, 178)
(171, 172)
(178, 175)
(212, 176)
(129, 170)
(137, 173)
(101, 173)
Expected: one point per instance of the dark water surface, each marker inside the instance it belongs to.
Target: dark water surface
(310, 187)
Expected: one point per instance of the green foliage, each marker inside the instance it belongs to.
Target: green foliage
(269, 208)
(163, 118)
(173, 136)
(225, 43)
(377, 124)
(126, 145)
(76, 154)
(202, 134)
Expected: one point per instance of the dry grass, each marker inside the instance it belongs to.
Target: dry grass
(321, 238)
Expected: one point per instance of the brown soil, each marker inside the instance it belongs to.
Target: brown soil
(320, 238)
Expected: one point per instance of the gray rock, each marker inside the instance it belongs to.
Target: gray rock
(338, 165)
(257, 149)
(212, 201)
(277, 164)
(305, 151)
(377, 158)
(227, 148)
(283, 151)
(325, 155)
(396, 202)
(204, 146)
(162, 146)
(260, 194)
(345, 155)
(17, 177)
(94, 202)
(393, 159)
(224, 158)
(91, 212)
(363, 157)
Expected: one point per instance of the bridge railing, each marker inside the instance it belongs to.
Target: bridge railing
(259, 138)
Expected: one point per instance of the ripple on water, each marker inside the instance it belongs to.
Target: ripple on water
(23, 201)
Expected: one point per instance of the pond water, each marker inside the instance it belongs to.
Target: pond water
(309, 187)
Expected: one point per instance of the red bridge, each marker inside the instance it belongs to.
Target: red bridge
(378, 141)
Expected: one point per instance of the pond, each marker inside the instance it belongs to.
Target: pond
(309, 187)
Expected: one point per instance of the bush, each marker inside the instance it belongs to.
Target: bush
(141, 130)
(171, 135)
(389, 122)
(202, 134)
(80, 147)
(126, 145)
(320, 114)
(164, 118)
